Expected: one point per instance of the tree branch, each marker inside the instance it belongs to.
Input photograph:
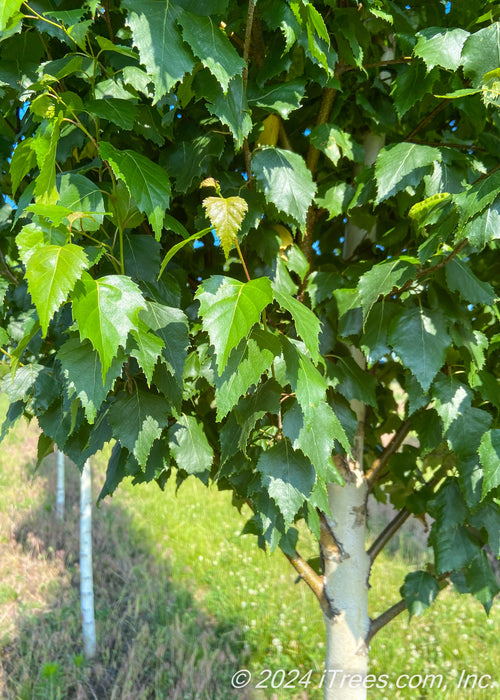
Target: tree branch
(315, 582)
(426, 120)
(387, 533)
(312, 159)
(384, 619)
(246, 54)
(379, 64)
(378, 465)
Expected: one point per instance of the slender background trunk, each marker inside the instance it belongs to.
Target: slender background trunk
(60, 492)
(86, 577)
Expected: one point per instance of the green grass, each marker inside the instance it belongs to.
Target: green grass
(183, 601)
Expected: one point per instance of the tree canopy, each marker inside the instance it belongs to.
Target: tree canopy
(205, 258)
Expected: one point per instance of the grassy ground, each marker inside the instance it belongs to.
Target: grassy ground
(182, 602)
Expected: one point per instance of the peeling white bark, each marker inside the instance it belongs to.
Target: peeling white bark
(60, 492)
(86, 577)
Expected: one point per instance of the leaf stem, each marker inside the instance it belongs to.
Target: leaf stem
(242, 259)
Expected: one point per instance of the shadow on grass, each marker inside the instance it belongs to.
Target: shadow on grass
(153, 639)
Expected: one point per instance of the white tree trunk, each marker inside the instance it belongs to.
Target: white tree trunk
(86, 578)
(60, 493)
(346, 580)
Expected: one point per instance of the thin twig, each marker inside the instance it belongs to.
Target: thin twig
(427, 119)
(379, 64)
(387, 533)
(107, 19)
(378, 465)
(384, 619)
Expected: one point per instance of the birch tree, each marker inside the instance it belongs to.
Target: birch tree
(242, 232)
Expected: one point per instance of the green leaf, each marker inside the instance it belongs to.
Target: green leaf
(489, 454)
(401, 165)
(83, 372)
(120, 112)
(229, 309)
(146, 181)
(477, 198)
(306, 381)
(106, 310)
(78, 193)
(315, 434)
(419, 591)
(440, 46)
(412, 83)
(483, 228)
(8, 8)
(461, 279)
(137, 420)
(420, 337)
(467, 430)
(157, 37)
(226, 215)
(245, 366)
(210, 44)
(178, 246)
(189, 445)
(285, 180)
(481, 53)
(45, 184)
(347, 377)
(141, 257)
(452, 398)
(454, 546)
(374, 342)
(171, 326)
(20, 385)
(334, 143)
(306, 322)
(231, 107)
(336, 199)
(481, 581)
(281, 98)
(383, 278)
(146, 347)
(23, 160)
(52, 272)
(288, 476)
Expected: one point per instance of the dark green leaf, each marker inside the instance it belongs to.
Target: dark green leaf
(306, 381)
(83, 371)
(285, 180)
(419, 336)
(288, 476)
(383, 278)
(189, 445)
(441, 47)
(461, 279)
(137, 420)
(210, 44)
(489, 454)
(161, 48)
(401, 165)
(146, 181)
(419, 591)
(281, 98)
(247, 362)
(481, 53)
(315, 434)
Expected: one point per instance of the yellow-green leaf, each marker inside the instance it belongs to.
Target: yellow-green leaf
(226, 215)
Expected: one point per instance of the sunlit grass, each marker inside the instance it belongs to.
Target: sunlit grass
(183, 601)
